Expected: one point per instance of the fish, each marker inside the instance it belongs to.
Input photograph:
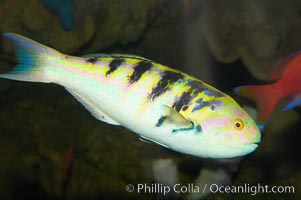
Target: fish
(286, 84)
(160, 104)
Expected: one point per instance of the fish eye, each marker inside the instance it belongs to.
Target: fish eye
(238, 124)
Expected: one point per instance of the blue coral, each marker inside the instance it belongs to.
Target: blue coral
(63, 8)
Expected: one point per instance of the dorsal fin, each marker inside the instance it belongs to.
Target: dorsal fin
(102, 55)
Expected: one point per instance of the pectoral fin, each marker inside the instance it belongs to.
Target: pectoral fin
(174, 118)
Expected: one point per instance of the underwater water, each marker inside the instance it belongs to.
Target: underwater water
(51, 147)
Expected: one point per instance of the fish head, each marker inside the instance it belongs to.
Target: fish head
(228, 131)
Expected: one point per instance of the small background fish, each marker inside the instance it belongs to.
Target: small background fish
(287, 84)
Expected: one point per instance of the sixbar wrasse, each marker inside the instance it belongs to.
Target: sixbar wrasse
(160, 104)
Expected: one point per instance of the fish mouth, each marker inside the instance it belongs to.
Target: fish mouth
(253, 145)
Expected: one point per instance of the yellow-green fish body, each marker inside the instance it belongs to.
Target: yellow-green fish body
(160, 104)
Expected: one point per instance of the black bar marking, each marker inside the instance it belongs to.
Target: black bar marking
(92, 60)
(139, 70)
(196, 87)
(183, 101)
(161, 120)
(185, 107)
(114, 64)
(184, 128)
(201, 104)
(162, 86)
(198, 128)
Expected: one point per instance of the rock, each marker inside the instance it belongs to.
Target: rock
(254, 32)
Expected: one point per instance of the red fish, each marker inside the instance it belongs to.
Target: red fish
(287, 83)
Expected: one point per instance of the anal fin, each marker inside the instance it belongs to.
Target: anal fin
(93, 109)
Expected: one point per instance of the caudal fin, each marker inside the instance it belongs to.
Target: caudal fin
(266, 98)
(33, 59)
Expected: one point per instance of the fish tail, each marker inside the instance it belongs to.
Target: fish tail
(265, 96)
(33, 59)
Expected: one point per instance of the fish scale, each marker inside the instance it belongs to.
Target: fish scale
(160, 104)
(141, 66)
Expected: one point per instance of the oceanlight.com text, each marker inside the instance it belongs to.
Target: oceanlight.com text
(252, 189)
(158, 188)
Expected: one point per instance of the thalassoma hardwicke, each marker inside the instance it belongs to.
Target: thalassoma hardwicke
(158, 103)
